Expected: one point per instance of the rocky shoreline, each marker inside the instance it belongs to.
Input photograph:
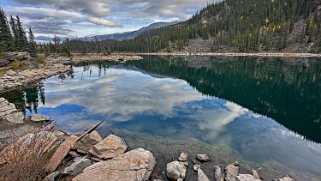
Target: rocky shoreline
(14, 79)
(114, 57)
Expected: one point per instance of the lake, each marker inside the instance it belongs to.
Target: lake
(263, 112)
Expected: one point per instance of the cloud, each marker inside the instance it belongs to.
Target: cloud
(66, 17)
(100, 21)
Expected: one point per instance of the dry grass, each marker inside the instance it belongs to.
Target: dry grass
(25, 160)
(16, 65)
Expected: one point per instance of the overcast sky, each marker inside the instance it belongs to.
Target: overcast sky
(87, 17)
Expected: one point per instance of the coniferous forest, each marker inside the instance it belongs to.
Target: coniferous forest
(13, 36)
(230, 26)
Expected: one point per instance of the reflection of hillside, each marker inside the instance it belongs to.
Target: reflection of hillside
(288, 91)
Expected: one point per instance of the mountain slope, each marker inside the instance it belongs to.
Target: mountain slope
(236, 26)
(129, 35)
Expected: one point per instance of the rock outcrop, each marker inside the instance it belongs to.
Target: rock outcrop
(135, 165)
(9, 112)
(110, 147)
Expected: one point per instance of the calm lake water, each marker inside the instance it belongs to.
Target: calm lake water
(261, 112)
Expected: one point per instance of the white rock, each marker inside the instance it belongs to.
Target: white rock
(218, 173)
(176, 170)
(183, 157)
(201, 176)
(246, 177)
(231, 171)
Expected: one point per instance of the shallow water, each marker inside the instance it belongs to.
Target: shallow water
(262, 112)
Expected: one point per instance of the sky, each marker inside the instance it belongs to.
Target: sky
(79, 18)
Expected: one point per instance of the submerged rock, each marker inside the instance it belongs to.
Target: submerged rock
(246, 177)
(38, 118)
(201, 175)
(203, 157)
(61, 153)
(286, 178)
(110, 147)
(87, 142)
(231, 171)
(183, 157)
(77, 167)
(135, 165)
(218, 173)
(176, 170)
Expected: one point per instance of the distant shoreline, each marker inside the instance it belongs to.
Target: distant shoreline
(232, 54)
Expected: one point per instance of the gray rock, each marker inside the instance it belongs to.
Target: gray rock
(176, 170)
(201, 176)
(52, 176)
(4, 63)
(218, 173)
(203, 157)
(74, 154)
(231, 171)
(246, 177)
(110, 147)
(183, 157)
(38, 118)
(77, 167)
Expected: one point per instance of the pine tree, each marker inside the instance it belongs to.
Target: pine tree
(32, 43)
(22, 39)
(14, 30)
(5, 33)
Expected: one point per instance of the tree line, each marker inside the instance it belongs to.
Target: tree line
(13, 36)
(240, 26)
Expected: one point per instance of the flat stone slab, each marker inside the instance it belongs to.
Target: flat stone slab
(39, 118)
(135, 165)
(110, 147)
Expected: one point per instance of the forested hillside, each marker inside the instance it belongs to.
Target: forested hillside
(232, 25)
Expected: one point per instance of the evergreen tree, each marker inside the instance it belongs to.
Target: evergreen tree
(22, 38)
(32, 43)
(14, 30)
(5, 33)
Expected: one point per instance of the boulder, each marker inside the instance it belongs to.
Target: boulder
(87, 142)
(60, 153)
(218, 173)
(231, 171)
(38, 118)
(183, 157)
(246, 177)
(110, 147)
(31, 145)
(18, 56)
(203, 157)
(135, 165)
(176, 170)
(201, 176)
(77, 167)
